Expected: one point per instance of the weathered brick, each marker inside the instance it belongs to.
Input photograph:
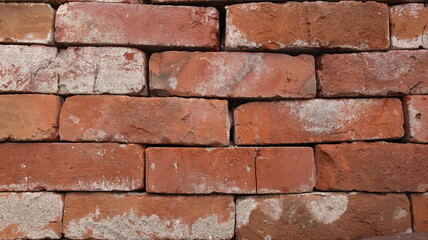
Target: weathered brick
(30, 215)
(416, 112)
(285, 169)
(137, 25)
(75, 70)
(318, 120)
(143, 216)
(25, 69)
(419, 203)
(228, 74)
(390, 73)
(372, 167)
(55, 2)
(409, 26)
(71, 167)
(201, 170)
(145, 120)
(307, 26)
(322, 216)
(408, 236)
(29, 117)
(26, 23)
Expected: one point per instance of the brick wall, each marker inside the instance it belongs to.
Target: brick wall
(213, 119)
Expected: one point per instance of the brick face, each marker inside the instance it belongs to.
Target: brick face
(145, 120)
(322, 216)
(295, 26)
(75, 70)
(393, 73)
(409, 26)
(29, 117)
(233, 75)
(30, 215)
(420, 205)
(106, 216)
(26, 23)
(318, 120)
(85, 23)
(416, 109)
(201, 170)
(72, 167)
(372, 167)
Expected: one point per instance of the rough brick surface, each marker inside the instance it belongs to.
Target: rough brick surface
(285, 169)
(416, 109)
(372, 167)
(322, 216)
(409, 26)
(201, 170)
(228, 74)
(30, 215)
(318, 120)
(142, 216)
(71, 167)
(75, 70)
(307, 25)
(29, 117)
(408, 236)
(26, 23)
(28, 73)
(419, 207)
(137, 25)
(145, 120)
(392, 73)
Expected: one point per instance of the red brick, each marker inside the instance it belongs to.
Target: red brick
(318, 120)
(145, 120)
(419, 203)
(408, 236)
(285, 169)
(71, 166)
(29, 117)
(55, 2)
(30, 215)
(137, 25)
(26, 23)
(75, 70)
(201, 170)
(229, 74)
(143, 216)
(239, 1)
(322, 216)
(416, 109)
(409, 26)
(372, 167)
(392, 73)
(307, 26)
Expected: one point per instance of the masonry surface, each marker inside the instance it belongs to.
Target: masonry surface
(214, 119)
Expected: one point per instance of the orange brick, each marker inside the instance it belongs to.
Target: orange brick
(26, 23)
(145, 120)
(143, 216)
(419, 208)
(347, 25)
(318, 120)
(416, 109)
(228, 74)
(29, 117)
(71, 167)
(201, 170)
(285, 169)
(392, 73)
(322, 216)
(372, 167)
(137, 25)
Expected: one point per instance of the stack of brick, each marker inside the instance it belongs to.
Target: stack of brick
(213, 120)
